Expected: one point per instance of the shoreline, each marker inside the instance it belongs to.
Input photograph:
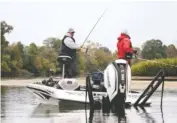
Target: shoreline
(137, 78)
(136, 84)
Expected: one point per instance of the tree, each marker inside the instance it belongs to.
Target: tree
(31, 52)
(114, 54)
(17, 53)
(171, 51)
(105, 49)
(103, 58)
(5, 28)
(32, 49)
(52, 42)
(153, 49)
(5, 64)
(49, 59)
(5, 57)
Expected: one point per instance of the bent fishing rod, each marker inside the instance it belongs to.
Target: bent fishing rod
(94, 26)
(86, 90)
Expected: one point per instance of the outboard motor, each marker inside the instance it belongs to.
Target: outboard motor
(66, 83)
(117, 78)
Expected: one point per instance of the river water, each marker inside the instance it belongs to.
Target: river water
(18, 105)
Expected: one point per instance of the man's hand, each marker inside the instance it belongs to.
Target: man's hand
(134, 54)
(135, 51)
(81, 50)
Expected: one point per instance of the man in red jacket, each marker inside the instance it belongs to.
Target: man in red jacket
(124, 46)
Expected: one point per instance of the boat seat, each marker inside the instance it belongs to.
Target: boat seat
(68, 84)
(64, 59)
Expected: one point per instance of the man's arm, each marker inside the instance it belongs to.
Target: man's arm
(71, 44)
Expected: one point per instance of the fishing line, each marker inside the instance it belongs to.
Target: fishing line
(85, 101)
(161, 103)
(86, 90)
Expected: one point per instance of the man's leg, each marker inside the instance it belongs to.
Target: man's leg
(74, 67)
(74, 72)
(69, 70)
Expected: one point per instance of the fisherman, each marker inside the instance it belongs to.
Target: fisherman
(124, 46)
(69, 48)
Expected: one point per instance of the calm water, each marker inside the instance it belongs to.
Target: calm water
(18, 105)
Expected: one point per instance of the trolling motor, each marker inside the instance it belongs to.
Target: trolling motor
(50, 82)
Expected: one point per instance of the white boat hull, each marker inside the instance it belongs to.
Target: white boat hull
(46, 94)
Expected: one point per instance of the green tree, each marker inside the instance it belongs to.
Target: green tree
(5, 28)
(153, 49)
(105, 49)
(17, 54)
(32, 49)
(103, 58)
(114, 54)
(52, 42)
(31, 52)
(5, 57)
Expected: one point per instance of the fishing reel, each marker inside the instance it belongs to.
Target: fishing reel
(129, 55)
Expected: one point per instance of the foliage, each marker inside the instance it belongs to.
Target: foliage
(153, 49)
(32, 60)
(151, 67)
(171, 51)
(5, 57)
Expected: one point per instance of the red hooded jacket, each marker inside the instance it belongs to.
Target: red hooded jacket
(124, 45)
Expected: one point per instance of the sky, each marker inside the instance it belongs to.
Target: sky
(34, 21)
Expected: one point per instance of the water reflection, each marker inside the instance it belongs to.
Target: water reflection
(105, 117)
(145, 115)
(67, 106)
(18, 104)
(94, 116)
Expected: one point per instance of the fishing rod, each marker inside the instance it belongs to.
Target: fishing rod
(94, 27)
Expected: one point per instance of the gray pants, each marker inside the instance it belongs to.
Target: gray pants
(70, 69)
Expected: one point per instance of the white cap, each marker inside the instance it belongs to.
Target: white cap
(125, 31)
(71, 30)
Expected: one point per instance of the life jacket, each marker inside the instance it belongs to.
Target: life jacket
(124, 46)
(65, 50)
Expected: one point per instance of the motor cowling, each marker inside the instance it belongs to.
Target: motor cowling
(117, 79)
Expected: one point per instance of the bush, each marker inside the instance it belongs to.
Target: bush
(151, 67)
(24, 73)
